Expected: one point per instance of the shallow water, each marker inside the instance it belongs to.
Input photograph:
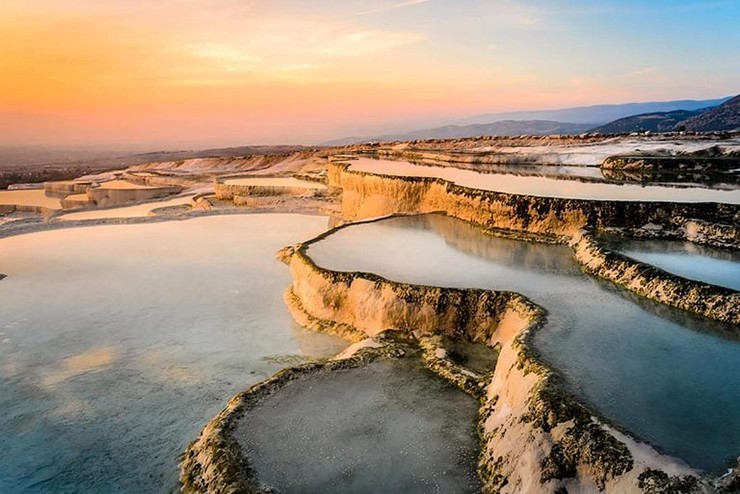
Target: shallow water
(660, 372)
(547, 186)
(118, 343)
(702, 263)
(29, 197)
(275, 182)
(391, 426)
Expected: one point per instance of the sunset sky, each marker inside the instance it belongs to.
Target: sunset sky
(230, 72)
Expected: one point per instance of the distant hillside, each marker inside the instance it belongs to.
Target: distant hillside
(597, 114)
(503, 128)
(723, 117)
(654, 122)
(541, 122)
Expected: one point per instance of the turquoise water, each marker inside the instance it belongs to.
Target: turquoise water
(391, 426)
(701, 263)
(118, 343)
(661, 373)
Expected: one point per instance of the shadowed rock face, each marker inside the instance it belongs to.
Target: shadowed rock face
(367, 195)
(706, 164)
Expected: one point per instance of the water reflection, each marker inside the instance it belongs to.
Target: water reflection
(122, 341)
(670, 379)
(93, 359)
(702, 263)
(547, 186)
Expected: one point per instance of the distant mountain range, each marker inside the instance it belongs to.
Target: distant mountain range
(564, 121)
(723, 117)
(718, 118)
(596, 114)
(653, 122)
(502, 128)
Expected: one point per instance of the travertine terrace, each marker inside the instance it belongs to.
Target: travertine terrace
(535, 435)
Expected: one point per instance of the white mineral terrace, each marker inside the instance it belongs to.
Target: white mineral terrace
(123, 184)
(274, 182)
(546, 187)
(595, 153)
(77, 197)
(137, 211)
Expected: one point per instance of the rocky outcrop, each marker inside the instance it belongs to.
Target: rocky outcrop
(710, 233)
(65, 188)
(672, 164)
(25, 208)
(203, 201)
(76, 201)
(714, 302)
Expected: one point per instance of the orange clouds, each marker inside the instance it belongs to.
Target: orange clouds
(135, 76)
(221, 72)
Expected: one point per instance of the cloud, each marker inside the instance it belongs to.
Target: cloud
(644, 71)
(366, 42)
(273, 47)
(527, 20)
(230, 58)
(391, 6)
(299, 67)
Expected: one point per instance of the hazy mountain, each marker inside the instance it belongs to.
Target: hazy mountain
(723, 117)
(503, 128)
(542, 122)
(597, 114)
(654, 122)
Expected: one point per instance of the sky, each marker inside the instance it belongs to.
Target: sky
(202, 73)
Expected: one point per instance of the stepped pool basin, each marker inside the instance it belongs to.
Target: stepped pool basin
(117, 343)
(546, 186)
(137, 211)
(274, 182)
(666, 376)
(390, 426)
(697, 262)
